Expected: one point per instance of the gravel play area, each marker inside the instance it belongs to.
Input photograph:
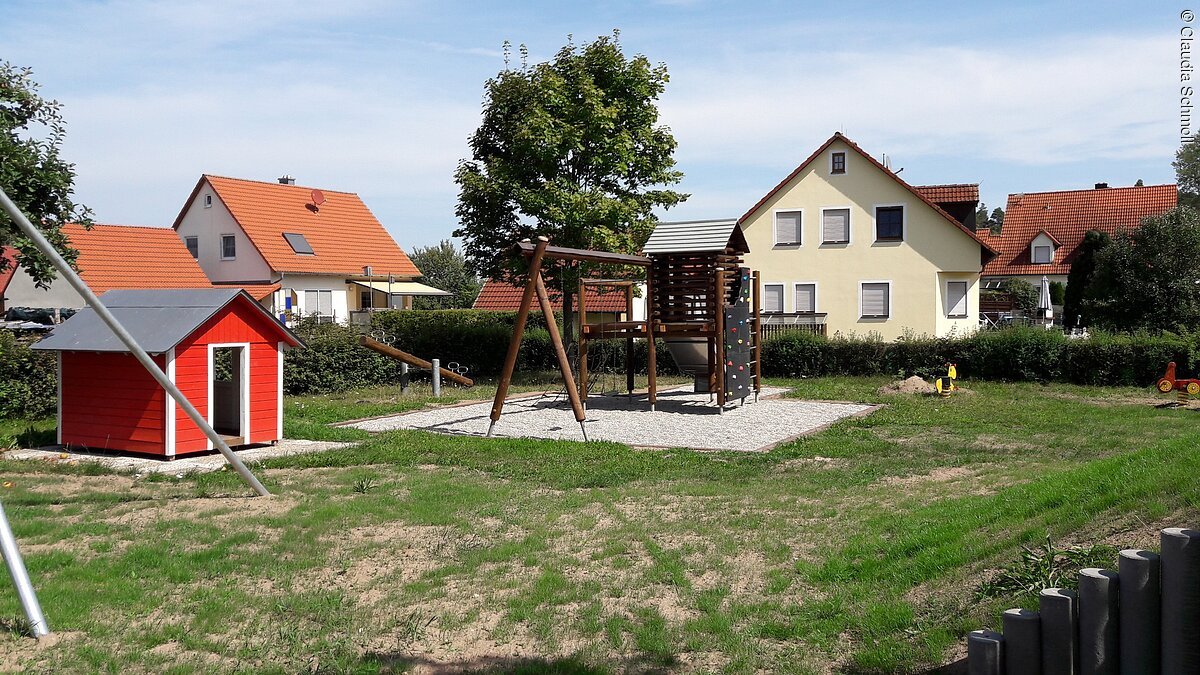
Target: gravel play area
(212, 461)
(682, 420)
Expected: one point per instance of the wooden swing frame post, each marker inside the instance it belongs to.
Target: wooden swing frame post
(514, 347)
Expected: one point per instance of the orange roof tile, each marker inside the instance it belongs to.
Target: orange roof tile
(501, 296)
(10, 254)
(345, 236)
(126, 256)
(256, 291)
(987, 251)
(1066, 216)
(951, 193)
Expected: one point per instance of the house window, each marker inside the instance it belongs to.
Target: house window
(208, 201)
(835, 226)
(889, 223)
(228, 247)
(365, 299)
(806, 298)
(193, 245)
(787, 228)
(773, 298)
(320, 304)
(1042, 255)
(956, 299)
(837, 162)
(876, 301)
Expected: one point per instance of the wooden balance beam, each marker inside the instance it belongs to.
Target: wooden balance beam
(388, 350)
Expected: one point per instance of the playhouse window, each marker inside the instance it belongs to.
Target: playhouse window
(835, 226)
(876, 300)
(787, 228)
(889, 223)
(1042, 255)
(228, 247)
(193, 245)
(956, 299)
(772, 298)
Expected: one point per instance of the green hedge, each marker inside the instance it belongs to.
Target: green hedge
(1014, 354)
(28, 380)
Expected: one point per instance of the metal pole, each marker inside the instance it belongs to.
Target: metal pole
(437, 377)
(20, 578)
(39, 240)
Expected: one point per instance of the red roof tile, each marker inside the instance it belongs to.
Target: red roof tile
(987, 250)
(500, 296)
(951, 193)
(10, 254)
(125, 256)
(1066, 216)
(345, 236)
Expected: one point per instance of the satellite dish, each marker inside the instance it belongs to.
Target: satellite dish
(318, 197)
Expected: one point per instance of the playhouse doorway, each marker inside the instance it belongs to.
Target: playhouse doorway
(229, 396)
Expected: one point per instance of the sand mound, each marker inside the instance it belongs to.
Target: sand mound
(913, 385)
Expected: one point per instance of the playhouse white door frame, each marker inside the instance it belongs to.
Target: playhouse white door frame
(243, 395)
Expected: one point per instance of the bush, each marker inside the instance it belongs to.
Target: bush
(28, 380)
(1024, 294)
(1013, 354)
(1058, 292)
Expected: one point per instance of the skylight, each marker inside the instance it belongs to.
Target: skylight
(298, 243)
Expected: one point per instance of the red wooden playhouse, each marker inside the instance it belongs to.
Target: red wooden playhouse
(219, 346)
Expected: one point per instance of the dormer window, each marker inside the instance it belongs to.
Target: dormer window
(1043, 255)
(837, 162)
(298, 243)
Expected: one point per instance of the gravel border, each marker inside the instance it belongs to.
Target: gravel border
(202, 463)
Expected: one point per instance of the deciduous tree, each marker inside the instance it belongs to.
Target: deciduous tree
(33, 173)
(1083, 268)
(445, 267)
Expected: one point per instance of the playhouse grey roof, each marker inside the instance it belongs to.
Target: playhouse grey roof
(157, 319)
(690, 236)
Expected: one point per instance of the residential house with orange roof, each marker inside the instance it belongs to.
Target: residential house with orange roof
(323, 250)
(603, 304)
(112, 257)
(844, 245)
(1042, 231)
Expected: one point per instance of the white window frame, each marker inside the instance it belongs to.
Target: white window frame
(1048, 261)
(845, 163)
(816, 296)
(966, 299)
(903, 223)
(889, 300)
(775, 228)
(782, 297)
(235, 246)
(187, 241)
(310, 311)
(849, 225)
(208, 201)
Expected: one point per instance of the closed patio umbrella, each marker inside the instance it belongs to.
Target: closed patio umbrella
(1044, 304)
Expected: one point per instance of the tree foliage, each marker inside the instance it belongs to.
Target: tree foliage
(1024, 294)
(1146, 278)
(445, 267)
(1075, 310)
(33, 173)
(571, 149)
(990, 221)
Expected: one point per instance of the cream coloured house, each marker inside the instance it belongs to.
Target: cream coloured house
(845, 243)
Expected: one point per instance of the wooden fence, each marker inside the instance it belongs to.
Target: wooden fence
(1142, 618)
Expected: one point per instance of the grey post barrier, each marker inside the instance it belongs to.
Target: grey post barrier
(1099, 624)
(1180, 560)
(1060, 631)
(1140, 613)
(985, 653)
(1022, 642)
(437, 377)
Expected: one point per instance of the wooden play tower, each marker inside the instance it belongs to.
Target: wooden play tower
(700, 301)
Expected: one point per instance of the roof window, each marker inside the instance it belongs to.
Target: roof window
(298, 243)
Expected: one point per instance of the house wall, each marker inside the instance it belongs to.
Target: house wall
(320, 282)
(109, 401)
(932, 251)
(209, 224)
(239, 323)
(23, 292)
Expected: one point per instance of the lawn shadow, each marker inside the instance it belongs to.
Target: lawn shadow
(515, 665)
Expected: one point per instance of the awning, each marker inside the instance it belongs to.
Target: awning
(402, 288)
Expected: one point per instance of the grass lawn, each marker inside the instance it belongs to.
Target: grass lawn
(858, 549)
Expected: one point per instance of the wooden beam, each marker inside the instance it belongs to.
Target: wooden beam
(514, 345)
(560, 253)
(388, 350)
(564, 365)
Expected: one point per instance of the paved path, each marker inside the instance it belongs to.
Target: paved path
(682, 420)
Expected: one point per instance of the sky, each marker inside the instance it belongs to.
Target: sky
(380, 97)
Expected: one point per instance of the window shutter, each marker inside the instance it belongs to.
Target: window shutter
(835, 226)
(787, 227)
(875, 300)
(1041, 254)
(325, 303)
(956, 298)
(806, 298)
(773, 298)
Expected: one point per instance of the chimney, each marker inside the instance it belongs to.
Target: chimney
(1101, 186)
(285, 179)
